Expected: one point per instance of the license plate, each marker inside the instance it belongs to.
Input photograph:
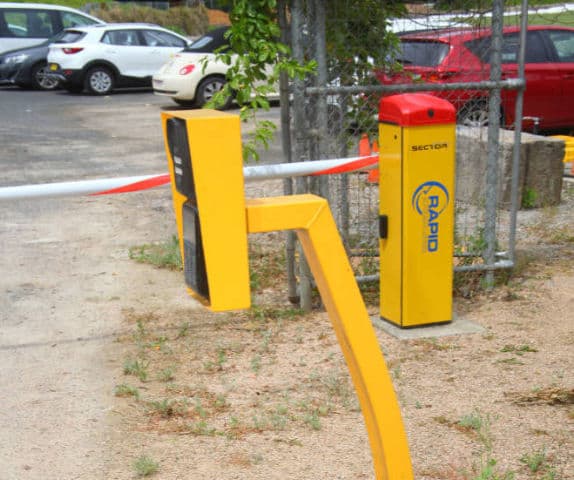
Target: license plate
(53, 67)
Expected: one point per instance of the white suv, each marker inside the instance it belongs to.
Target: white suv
(99, 58)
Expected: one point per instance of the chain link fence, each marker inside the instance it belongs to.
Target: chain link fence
(358, 62)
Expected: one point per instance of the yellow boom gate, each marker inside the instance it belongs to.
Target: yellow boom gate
(213, 218)
(416, 165)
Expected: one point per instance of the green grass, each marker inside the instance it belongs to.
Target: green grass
(145, 466)
(124, 390)
(136, 368)
(162, 255)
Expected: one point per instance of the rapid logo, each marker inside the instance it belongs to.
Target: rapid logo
(430, 199)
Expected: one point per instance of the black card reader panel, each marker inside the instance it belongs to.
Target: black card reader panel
(178, 145)
(193, 256)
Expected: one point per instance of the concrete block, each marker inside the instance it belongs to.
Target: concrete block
(540, 168)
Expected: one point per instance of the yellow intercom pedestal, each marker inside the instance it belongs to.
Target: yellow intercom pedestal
(416, 165)
(206, 167)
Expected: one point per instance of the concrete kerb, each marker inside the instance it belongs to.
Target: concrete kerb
(458, 326)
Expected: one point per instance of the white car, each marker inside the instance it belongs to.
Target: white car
(192, 76)
(100, 58)
(184, 77)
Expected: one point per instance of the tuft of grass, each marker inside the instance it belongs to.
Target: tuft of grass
(518, 349)
(136, 368)
(125, 390)
(313, 420)
(256, 364)
(167, 374)
(534, 461)
(216, 365)
(529, 198)
(145, 466)
(160, 255)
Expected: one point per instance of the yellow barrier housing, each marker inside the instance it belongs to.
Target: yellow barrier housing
(416, 164)
(213, 219)
(209, 202)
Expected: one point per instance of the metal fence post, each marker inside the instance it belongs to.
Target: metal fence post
(493, 141)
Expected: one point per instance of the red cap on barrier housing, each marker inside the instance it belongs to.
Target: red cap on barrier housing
(414, 109)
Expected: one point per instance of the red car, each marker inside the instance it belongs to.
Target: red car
(463, 55)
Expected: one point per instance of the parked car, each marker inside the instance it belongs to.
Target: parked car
(192, 76)
(183, 77)
(463, 55)
(27, 24)
(100, 58)
(27, 67)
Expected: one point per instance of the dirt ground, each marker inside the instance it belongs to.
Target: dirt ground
(105, 361)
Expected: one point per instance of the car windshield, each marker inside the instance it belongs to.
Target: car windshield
(209, 42)
(421, 53)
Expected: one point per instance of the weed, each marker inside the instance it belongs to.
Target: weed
(472, 421)
(534, 461)
(136, 368)
(167, 374)
(200, 410)
(161, 255)
(217, 365)
(479, 424)
(221, 402)
(278, 419)
(487, 471)
(183, 330)
(124, 390)
(267, 334)
(165, 408)
(510, 361)
(200, 428)
(256, 364)
(312, 419)
(529, 198)
(518, 349)
(267, 313)
(265, 269)
(145, 466)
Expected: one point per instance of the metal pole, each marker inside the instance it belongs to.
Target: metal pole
(515, 205)
(491, 203)
(284, 93)
(322, 79)
(301, 184)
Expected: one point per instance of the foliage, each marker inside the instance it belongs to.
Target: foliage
(256, 49)
(190, 21)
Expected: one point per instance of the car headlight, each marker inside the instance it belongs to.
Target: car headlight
(15, 59)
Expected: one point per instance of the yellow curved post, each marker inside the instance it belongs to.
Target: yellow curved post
(311, 218)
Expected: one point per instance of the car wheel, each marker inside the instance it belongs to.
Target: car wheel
(474, 114)
(184, 103)
(99, 80)
(208, 88)
(39, 79)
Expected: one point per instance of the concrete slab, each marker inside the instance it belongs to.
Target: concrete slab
(459, 326)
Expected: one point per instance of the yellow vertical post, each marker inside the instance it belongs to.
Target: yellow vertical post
(311, 218)
(417, 161)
